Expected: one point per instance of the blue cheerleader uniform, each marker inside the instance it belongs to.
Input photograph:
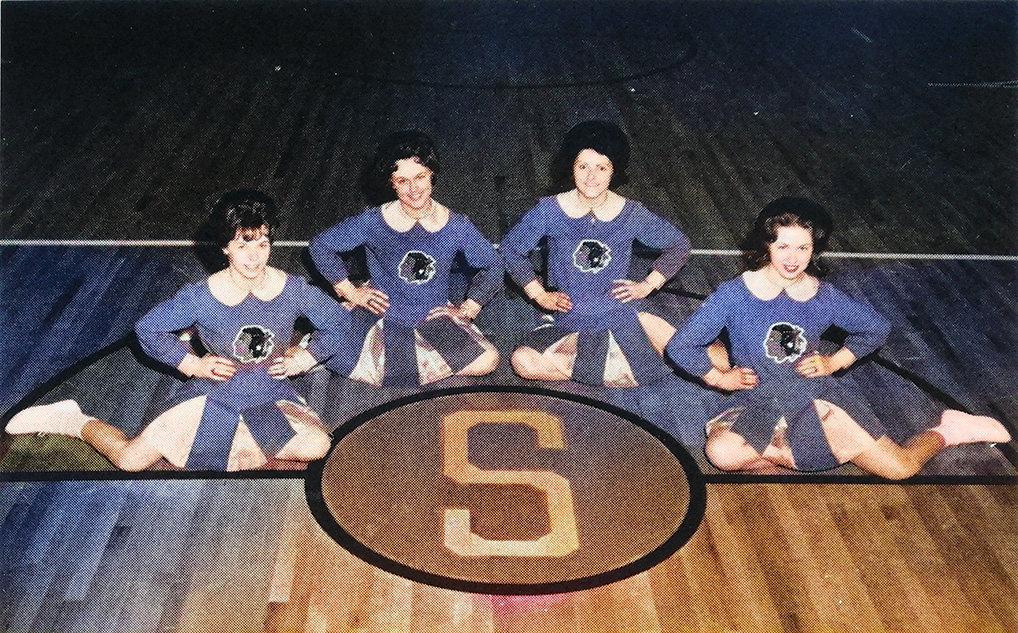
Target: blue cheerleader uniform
(585, 257)
(770, 336)
(413, 268)
(253, 333)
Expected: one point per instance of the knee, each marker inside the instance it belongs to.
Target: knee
(485, 363)
(526, 363)
(311, 446)
(729, 451)
(658, 331)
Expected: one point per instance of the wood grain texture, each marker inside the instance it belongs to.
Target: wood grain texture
(127, 120)
(202, 556)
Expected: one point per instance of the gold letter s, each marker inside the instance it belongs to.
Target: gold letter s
(561, 540)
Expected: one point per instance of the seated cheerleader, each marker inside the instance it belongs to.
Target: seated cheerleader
(600, 331)
(789, 410)
(237, 406)
(404, 330)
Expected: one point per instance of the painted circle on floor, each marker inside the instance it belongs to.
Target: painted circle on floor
(505, 490)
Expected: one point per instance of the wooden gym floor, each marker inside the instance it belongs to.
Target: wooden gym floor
(122, 122)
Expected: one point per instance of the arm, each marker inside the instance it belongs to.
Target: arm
(694, 347)
(331, 323)
(655, 232)
(515, 248)
(480, 254)
(866, 329)
(325, 250)
(517, 244)
(155, 332)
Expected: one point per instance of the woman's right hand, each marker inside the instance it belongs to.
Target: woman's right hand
(371, 299)
(735, 379)
(554, 301)
(211, 367)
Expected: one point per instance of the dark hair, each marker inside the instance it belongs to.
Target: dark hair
(604, 138)
(244, 210)
(376, 180)
(788, 211)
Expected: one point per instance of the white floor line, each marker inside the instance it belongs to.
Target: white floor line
(696, 251)
(1011, 83)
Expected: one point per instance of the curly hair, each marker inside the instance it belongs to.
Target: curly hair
(783, 212)
(604, 138)
(244, 210)
(376, 180)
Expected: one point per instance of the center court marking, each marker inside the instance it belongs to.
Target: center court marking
(506, 490)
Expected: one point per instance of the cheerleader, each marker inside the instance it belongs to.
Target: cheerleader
(405, 328)
(237, 407)
(599, 331)
(789, 410)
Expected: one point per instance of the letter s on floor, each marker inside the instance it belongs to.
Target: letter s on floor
(561, 540)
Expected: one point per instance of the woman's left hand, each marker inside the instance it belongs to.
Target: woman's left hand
(626, 290)
(293, 362)
(467, 311)
(816, 366)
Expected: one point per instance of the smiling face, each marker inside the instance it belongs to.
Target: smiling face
(248, 253)
(592, 173)
(412, 183)
(791, 252)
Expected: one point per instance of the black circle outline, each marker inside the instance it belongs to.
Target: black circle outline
(690, 523)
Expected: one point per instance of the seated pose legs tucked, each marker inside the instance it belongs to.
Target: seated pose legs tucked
(237, 408)
(405, 329)
(789, 410)
(599, 331)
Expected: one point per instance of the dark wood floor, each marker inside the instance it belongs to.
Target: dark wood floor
(128, 119)
(125, 120)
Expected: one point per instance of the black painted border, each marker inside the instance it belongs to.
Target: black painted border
(690, 523)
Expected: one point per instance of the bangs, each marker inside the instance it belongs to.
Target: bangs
(253, 233)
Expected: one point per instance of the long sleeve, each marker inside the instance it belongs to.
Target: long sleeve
(688, 348)
(480, 254)
(326, 247)
(867, 329)
(155, 329)
(653, 231)
(519, 241)
(330, 319)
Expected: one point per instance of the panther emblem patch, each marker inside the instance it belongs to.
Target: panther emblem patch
(591, 256)
(417, 267)
(253, 343)
(785, 343)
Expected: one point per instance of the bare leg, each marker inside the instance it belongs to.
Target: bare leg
(657, 329)
(889, 460)
(533, 365)
(311, 442)
(483, 364)
(130, 455)
(846, 438)
(729, 451)
(66, 418)
(307, 446)
(138, 454)
(718, 355)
